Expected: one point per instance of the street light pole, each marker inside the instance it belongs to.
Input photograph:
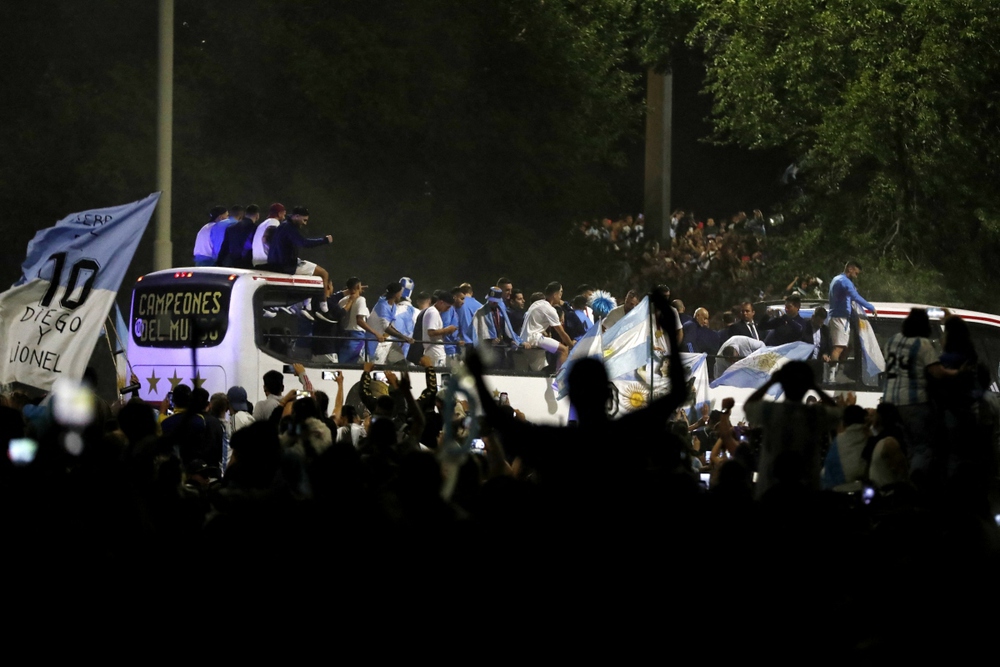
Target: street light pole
(162, 246)
(659, 130)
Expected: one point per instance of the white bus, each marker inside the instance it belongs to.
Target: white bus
(984, 329)
(216, 327)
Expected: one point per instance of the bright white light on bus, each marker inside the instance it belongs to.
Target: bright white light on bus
(232, 277)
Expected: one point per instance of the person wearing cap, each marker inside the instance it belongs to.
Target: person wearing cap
(239, 408)
(406, 315)
(239, 416)
(262, 235)
(382, 321)
(203, 242)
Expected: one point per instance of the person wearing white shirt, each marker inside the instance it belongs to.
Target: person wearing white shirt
(203, 254)
(261, 239)
(543, 316)
(355, 325)
(433, 330)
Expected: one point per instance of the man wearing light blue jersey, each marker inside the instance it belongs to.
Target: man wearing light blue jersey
(382, 320)
(217, 235)
(406, 316)
(466, 315)
(843, 294)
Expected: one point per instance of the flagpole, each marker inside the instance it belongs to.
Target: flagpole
(652, 376)
(162, 246)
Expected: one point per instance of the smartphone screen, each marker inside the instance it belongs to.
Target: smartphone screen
(21, 451)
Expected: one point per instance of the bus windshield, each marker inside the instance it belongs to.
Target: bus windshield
(175, 313)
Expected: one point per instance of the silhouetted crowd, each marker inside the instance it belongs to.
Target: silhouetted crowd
(813, 507)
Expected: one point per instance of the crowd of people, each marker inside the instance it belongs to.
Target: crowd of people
(710, 262)
(814, 504)
(397, 485)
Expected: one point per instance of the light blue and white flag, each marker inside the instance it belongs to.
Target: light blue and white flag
(872, 361)
(696, 372)
(588, 347)
(626, 343)
(755, 370)
(118, 343)
(52, 315)
(634, 390)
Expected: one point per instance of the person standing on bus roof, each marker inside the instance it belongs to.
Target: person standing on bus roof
(203, 242)
(842, 294)
(265, 230)
(283, 253)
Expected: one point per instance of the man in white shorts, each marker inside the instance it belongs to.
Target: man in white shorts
(287, 239)
(842, 295)
(541, 316)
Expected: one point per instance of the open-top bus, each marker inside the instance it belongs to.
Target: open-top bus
(216, 327)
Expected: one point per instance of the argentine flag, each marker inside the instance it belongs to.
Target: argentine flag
(589, 346)
(626, 344)
(872, 361)
(755, 370)
(634, 389)
(53, 314)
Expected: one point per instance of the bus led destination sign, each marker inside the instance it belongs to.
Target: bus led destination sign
(176, 317)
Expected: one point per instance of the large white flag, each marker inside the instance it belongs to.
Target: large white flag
(52, 315)
(872, 361)
(588, 347)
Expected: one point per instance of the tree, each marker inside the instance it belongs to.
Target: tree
(411, 128)
(891, 106)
